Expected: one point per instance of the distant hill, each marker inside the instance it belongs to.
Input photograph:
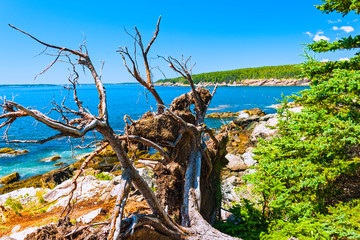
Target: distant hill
(276, 72)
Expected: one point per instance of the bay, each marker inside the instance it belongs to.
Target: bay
(129, 99)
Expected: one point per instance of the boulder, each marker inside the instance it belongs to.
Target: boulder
(243, 122)
(248, 159)
(22, 235)
(236, 163)
(85, 219)
(265, 129)
(16, 229)
(243, 114)
(240, 162)
(10, 178)
(50, 159)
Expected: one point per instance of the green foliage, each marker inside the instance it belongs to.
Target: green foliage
(14, 204)
(278, 72)
(298, 172)
(342, 222)
(102, 176)
(340, 6)
(305, 175)
(247, 222)
(39, 195)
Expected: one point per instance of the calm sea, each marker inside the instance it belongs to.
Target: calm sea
(122, 99)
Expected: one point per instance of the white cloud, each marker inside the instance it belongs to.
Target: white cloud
(355, 20)
(325, 60)
(347, 29)
(309, 33)
(336, 21)
(318, 37)
(344, 59)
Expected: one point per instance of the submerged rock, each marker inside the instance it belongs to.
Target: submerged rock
(12, 152)
(10, 178)
(50, 159)
(59, 164)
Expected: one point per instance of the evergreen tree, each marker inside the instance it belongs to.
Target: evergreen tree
(309, 176)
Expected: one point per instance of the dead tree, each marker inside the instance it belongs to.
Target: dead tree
(187, 155)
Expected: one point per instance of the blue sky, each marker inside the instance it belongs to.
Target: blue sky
(219, 35)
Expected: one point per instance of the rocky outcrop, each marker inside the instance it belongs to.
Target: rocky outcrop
(87, 187)
(25, 195)
(222, 115)
(10, 178)
(57, 176)
(4, 152)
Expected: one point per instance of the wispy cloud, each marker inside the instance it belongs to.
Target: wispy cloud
(355, 20)
(309, 34)
(336, 21)
(318, 36)
(347, 29)
(325, 60)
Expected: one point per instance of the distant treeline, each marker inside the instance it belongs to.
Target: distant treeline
(277, 72)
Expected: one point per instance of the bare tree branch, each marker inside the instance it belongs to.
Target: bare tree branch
(60, 135)
(135, 72)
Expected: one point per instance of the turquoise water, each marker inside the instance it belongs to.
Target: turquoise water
(122, 99)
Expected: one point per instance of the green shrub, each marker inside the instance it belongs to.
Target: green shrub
(247, 221)
(14, 204)
(102, 176)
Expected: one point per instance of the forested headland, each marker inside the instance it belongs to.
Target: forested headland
(238, 75)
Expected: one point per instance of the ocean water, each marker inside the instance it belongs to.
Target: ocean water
(130, 99)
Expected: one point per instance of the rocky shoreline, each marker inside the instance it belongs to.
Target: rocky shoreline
(247, 82)
(98, 187)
